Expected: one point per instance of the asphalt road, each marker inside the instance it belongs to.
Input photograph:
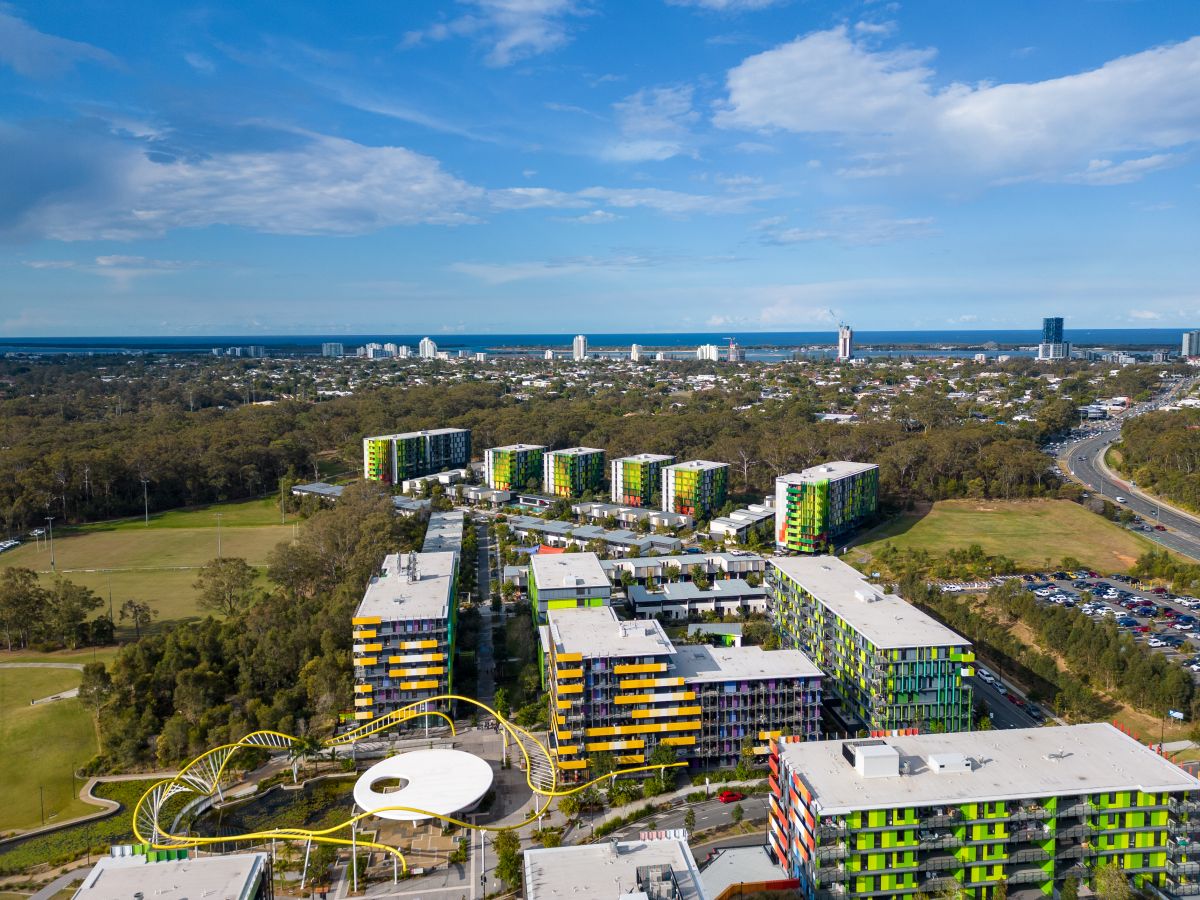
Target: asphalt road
(1183, 535)
(709, 814)
(1003, 712)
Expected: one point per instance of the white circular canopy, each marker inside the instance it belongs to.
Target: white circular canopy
(439, 781)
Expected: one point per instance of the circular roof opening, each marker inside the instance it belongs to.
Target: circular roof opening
(438, 782)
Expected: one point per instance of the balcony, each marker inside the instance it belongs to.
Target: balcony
(1026, 813)
(1184, 806)
(1028, 876)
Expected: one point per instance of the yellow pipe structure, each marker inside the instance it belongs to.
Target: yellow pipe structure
(204, 773)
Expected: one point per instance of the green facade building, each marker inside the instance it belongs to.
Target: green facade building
(695, 488)
(1026, 808)
(513, 468)
(634, 480)
(393, 458)
(817, 508)
(573, 472)
(889, 665)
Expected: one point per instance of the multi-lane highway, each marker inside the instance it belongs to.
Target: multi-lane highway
(1084, 461)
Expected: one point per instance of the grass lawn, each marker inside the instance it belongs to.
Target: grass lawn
(82, 656)
(157, 563)
(1028, 531)
(42, 746)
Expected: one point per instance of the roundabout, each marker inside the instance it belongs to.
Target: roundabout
(441, 782)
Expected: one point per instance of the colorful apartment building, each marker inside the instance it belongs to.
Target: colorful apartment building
(572, 472)
(816, 508)
(696, 488)
(392, 458)
(513, 468)
(889, 665)
(936, 814)
(566, 581)
(634, 480)
(404, 630)
(623, 688)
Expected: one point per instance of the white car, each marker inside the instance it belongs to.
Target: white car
(987, 676)
(1120, 499)
(1156, 642)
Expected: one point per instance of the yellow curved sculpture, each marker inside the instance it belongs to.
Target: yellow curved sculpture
(202, 776)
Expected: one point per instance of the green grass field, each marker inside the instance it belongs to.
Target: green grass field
(42, 745)
(1028, 531)
(157, 563)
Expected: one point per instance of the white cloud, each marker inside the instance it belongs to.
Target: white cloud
(875, 29)
(504, 273)
(856, 226)
(32, 53)
(595, 217)
(122, 271)
(199, 62)
(886, 103)
(725, 5)
(513, 29)
(1144, 314)
(1105, 171)
(655, 125)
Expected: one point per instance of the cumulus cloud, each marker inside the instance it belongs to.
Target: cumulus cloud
(512, 29)
(885, 103)
(655, 125)
(34, 54)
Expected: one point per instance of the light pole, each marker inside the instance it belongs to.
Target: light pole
(145, 501)
(218, 535)
(50, 523)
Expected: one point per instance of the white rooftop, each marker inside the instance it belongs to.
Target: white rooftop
(441, 782)
(1001, 765)
(508, 447)
(575, 451)
(645, 457)
(596, 632)
(886, 620)
(827, 472)
(428, 432)
(231, 877)
(699, 662)
(391, 595)
(564, 570)
(608, 869)
(696, 465)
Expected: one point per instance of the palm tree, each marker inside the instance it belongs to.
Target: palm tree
(301, 750)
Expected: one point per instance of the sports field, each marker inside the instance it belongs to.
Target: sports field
(42, 746)
(1035, 533)
(157, 563)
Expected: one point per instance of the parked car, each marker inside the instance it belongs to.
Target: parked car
(730, 796)
(1121, 499)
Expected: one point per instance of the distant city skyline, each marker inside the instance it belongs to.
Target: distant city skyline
(495, 166)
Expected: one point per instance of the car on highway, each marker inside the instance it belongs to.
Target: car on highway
(730, 796)
(1120, 499)
(986, 676)
(1160, 527)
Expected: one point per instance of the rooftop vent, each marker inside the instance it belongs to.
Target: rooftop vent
(949, 763)
(866, 596)
(872, 759)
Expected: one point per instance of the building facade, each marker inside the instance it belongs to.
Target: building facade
(512, 468)
(333, 349)
(623, 688)
(573, 472)
(889, 665)
(579, 348)
(696, 488)
(566, 581)
(393, 458)
(845, 346)
(1053, 346)
(939, 813)
(1191, 344)
(427, 349)
(708, 353)
(634, 480)
(817, 507)
(404, 630)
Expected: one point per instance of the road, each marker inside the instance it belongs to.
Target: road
(709, 814)
(1084, 464)
(1003, 713)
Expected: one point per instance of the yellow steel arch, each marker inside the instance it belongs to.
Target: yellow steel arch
(203, 774)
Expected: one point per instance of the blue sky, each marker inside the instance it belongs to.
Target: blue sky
(561, 165)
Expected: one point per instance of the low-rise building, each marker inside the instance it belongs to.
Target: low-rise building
(635, 480)
(514, 467)
(554, 533)
(566, 581)
(654, 869)
(816, 508)
(404, 631)
(696, 488)
(969, 811)
(572, 472)
(136, 871)
(743, 524)
(653, 570)
(393, 458)
(623, 688)
(452, 476)
(889, 664)
(683, 600)
(444, 532)
(481, 495)
(330, 493)
(630, 516)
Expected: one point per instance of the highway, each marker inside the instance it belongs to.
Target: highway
(1003, 713)
(1084, 463)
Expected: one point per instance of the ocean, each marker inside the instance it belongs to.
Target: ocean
(760, 344)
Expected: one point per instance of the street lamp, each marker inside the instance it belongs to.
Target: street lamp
(50, 523)
(145, 501)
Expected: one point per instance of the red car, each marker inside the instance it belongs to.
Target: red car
(1160, 527)
(730, 796)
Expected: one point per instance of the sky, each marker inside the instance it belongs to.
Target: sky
(398, 166)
